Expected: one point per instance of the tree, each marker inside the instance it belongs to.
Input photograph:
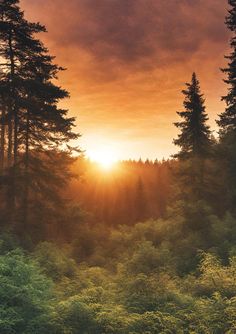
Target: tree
(45, 128)
(194, 139)
(37, 129)
(227, 120)
(195, 145)
(16, 43)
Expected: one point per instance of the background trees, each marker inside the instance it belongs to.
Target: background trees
(133, 191)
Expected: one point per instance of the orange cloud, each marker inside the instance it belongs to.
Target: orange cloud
(128, 61)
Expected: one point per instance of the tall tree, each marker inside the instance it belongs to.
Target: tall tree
(3, 133)
(194, 139)
(15, 45)
(37, 128)
(227, 120)
(44, 127)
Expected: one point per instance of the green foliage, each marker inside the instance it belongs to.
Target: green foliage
(115, 320)
(216, 278)
(76, 316)
(8, 242)
(155, 323)
(53, 261)
(25, 296)
(147, 283)
(215, 315)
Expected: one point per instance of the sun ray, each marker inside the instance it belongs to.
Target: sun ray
(105, 157)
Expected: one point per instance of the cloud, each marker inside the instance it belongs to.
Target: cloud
(134, 33)
(128, 60)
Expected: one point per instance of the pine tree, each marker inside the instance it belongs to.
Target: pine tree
(226, 153)
(227, 120)
(15, 45)
(195, 146)
(194, 139)
(37, 129)
(3, 130)
(44, 127)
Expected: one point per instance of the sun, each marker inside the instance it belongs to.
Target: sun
(104, 157)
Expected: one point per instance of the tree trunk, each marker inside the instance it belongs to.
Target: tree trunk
(9, 149)
(14, 111)
(26, 187)
(2, 141)
(12, 116)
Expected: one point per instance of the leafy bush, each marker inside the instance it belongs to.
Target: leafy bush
(25, 295)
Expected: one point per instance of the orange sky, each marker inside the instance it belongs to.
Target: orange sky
(127, 62)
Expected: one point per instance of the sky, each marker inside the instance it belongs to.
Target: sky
(127, 62)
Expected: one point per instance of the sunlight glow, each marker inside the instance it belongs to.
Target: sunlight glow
(105, 157)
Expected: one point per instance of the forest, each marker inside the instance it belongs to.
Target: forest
(149, 248)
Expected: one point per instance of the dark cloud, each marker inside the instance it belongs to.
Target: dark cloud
(131, 32)
(128, 60)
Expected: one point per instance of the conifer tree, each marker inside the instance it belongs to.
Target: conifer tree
(194, 139)
(226, 153)
(43, 127)
(2, 140)
(37, 129)
(227, 120)
(195, 144)
(16, 43)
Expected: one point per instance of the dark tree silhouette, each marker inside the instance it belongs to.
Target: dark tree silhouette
(195, 144)
(37, 129)
(227, 120)
(226, 153)
(194, 139)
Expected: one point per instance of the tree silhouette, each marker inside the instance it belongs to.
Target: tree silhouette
(227, 120)
(37, 129)
(194, 139)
